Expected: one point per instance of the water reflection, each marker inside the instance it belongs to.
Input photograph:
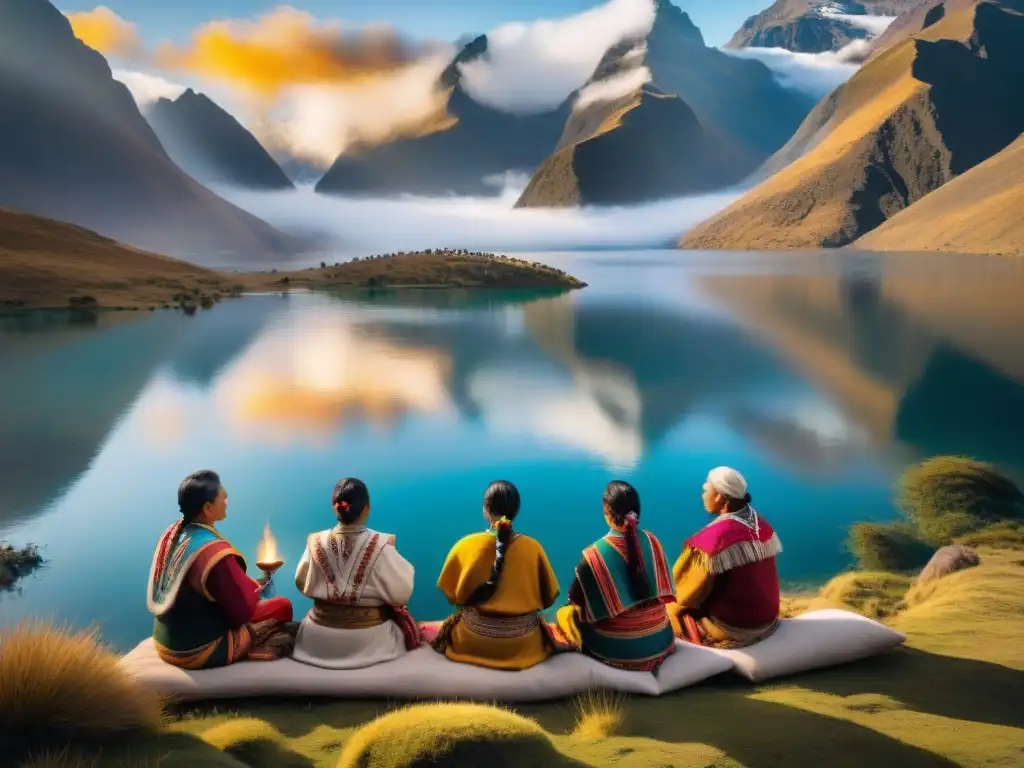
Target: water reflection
(923, 351)
(821, 378)
(62, 391)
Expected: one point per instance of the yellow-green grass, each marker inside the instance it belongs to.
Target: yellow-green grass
(954, 695)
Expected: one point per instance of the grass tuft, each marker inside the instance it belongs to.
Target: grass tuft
(59, 758)
(450, 736)
(61, 686)
(600, 715)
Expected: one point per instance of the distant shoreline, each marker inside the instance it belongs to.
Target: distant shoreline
(52, 266)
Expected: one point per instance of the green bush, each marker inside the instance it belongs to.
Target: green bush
(949, 496)
(888, 547)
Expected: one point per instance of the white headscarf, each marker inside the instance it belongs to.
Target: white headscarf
(728, 482)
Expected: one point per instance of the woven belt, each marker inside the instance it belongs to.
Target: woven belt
(342, 616)
(492, 625)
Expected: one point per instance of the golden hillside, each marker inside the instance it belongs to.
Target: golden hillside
(914, 117)
(46, 264)
(979, 212)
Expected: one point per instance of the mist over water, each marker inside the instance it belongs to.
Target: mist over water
(365, 226)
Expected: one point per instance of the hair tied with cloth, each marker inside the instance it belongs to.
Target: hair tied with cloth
(632, 520)
(502, 522)
(343, 504)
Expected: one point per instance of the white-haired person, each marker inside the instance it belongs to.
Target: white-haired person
(726, 579)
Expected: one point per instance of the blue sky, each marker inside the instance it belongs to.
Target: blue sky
(444, 19)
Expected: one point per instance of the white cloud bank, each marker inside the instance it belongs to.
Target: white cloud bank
(367, 226)
(532, 67)
(874, 25)
(619, 85)
(816, 74)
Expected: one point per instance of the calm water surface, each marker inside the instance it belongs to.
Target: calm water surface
(819, 376)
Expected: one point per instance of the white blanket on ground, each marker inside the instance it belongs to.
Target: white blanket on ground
(813, 640)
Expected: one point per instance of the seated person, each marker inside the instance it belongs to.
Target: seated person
(208, 612)
(499, 580)
(727, 583)
(360, 586)
(616, 610)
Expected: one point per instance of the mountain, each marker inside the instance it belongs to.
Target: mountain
(738, 96)
(814, 26)
(642, 146)
(686, 132)
(74, 146)
(915, 116)
(978, 212)
(212, 146)
(456, 157)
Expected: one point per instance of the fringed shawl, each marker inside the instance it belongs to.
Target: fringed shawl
(604, 580)
(735, 539)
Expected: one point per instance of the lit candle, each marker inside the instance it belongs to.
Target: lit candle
(267, 559)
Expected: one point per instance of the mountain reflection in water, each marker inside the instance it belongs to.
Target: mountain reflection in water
(820, 376)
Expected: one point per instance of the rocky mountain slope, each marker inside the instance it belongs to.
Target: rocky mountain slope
(74, 146)
(981, 211)
(917, 115)
(814, 26)
(213, 146)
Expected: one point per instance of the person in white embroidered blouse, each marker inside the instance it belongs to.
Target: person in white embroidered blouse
(360, 586)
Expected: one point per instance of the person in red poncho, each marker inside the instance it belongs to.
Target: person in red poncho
(726, 579)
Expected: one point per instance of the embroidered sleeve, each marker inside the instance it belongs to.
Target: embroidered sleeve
(692, 579)
(548, 581)
(233, 591)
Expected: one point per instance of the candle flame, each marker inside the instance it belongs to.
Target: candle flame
(267, 550)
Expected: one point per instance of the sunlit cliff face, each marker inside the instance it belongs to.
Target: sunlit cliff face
(310, 377)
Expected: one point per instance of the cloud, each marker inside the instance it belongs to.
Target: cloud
(617, 86)
(307, 87)
(366, 226)
(874, 25)
(534, 67)
(814, 73)
(146, 88)
(105, 31)
(318, 123)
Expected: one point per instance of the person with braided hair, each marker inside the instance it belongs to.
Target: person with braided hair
(207, 611)
(617, 602)
(499, 581)
(359, 584)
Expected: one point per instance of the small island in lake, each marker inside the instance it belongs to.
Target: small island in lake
(437, 268)
(49, 264)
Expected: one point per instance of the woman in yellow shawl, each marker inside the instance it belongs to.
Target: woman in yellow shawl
(498, 580)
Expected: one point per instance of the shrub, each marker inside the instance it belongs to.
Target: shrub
(888, 547)
(948, 496)
(1005, 535)
(17, 563)
(59, 686)
(450, 736)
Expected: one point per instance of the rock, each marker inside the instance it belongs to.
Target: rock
(947, 560)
